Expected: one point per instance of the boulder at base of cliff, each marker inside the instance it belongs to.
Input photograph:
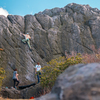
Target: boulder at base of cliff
(78, 82)
(32, 91)
(10, 93)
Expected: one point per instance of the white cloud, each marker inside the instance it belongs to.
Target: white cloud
(3, 12)
(31, 13)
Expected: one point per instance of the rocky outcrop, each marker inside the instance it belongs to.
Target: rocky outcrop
(10, 93)
(53, 31)
(33, 91)
(78, 82)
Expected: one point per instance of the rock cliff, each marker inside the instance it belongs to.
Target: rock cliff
(53, 31)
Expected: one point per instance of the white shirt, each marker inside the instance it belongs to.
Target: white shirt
(38, 67)
(26, 36)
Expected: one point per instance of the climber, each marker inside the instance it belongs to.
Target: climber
(38, 71)
(27, 39)
(15, 78)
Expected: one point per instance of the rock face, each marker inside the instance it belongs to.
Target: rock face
(16, 54)
(72, 28)
(78, 82)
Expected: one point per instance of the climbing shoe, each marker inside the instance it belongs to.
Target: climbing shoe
(15, 87)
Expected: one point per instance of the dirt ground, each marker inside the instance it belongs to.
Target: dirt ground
(14, 99)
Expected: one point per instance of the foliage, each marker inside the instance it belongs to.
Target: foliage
(56, 67)
(71, 61)
(2, 75)
(51, 71)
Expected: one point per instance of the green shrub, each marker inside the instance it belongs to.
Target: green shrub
(50, 72)
(56, 67)
(2, 75)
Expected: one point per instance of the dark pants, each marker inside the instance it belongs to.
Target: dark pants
(38, 76)
(15, 80)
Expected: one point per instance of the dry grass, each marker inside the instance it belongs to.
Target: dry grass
(45, 91)
(92, 58)
(88, 58)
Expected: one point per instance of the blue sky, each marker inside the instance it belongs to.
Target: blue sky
(24, 7)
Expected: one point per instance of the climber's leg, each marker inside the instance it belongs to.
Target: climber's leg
(24, 40)
(28, 42)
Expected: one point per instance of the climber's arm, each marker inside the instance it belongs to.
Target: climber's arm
(17, 76)
(24, 34)
(29, 37)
